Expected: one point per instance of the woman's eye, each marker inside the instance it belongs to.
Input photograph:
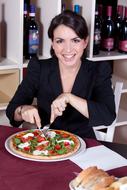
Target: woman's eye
(59, 41)
(76, 40)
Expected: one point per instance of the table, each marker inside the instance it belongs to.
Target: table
(19, 174)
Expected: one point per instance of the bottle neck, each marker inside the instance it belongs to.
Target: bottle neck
(125, 13)
(109, 11)
(120, 10)
(100, 9)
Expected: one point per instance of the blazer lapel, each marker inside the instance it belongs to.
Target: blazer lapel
(81, 81)
(54, 79)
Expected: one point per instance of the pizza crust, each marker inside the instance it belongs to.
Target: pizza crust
(41, 157)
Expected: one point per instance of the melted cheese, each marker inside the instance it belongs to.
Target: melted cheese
(42, 135)
(39, 152)
(28, 135)
(22, 145)
(43, 142)
(64, 140)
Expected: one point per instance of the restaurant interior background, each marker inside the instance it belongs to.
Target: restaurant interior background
(11, 49)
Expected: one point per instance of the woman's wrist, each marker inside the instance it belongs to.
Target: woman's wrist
(18, 113)
(67, 97)
(19, 110)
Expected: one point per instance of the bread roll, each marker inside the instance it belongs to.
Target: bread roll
(120, 184)
(83, 174)
(93, 178)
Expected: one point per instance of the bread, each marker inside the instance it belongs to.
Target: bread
(120, 184)
(83, 174)
(93, 178)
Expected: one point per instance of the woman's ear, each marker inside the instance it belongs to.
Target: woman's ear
(86, 41)
(52, 45)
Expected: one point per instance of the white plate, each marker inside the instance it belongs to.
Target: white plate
(82, 148)
(73, 188)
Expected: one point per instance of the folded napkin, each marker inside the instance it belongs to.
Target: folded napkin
(99, 156)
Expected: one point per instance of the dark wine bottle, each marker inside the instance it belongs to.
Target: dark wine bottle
(25, 23)
(122, 46)
(97, 33)
(118, 23)
(63, 7)
(32, 35)
(77, 9)
(27, 2)
(108, 31)
(100, 11)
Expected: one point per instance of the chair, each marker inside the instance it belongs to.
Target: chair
(107, 132)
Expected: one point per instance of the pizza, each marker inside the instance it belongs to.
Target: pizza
(56, 144)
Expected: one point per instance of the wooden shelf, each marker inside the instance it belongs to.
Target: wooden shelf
(4, 99)
(7, 64)
(9, 81)
(104, 55)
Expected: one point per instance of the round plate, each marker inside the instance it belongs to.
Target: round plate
(71, 185)
(81, 148)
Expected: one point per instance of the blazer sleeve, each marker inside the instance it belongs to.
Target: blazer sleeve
(26, 91)
(102, 106)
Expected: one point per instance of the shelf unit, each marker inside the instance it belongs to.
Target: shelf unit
(11, 17)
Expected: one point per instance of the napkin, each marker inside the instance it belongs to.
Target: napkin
(99, 156)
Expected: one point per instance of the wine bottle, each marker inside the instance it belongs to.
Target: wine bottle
(63, 7)
(100, 12)
(108, 31)
(77, 9)
(25, 23)
(118, 23)
(27, 2)
(97, 33)
(32, 35)
(122, 46)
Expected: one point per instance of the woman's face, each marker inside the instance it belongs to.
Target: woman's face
(67, 46)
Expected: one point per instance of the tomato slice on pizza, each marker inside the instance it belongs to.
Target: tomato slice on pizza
(34, 144)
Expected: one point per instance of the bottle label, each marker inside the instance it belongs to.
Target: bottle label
(97, 36)
(123, 45)
(33, 41)
(108, 43)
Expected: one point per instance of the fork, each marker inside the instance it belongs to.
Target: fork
(45, 128)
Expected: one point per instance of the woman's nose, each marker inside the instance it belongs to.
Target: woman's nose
(68, 47)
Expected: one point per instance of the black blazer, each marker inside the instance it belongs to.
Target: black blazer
(93, 82)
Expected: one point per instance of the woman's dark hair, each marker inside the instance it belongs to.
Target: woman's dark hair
(71, 20)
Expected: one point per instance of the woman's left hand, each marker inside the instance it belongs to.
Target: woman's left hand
(59, 105)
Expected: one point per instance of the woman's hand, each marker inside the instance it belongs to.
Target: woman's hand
(58, 106)
(29, 114)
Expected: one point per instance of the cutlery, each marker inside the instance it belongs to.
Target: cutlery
(45, 128)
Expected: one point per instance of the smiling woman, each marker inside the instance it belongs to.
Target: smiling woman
(72, 92)
(67, 46)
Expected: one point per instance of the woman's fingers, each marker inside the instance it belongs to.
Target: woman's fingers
(52, 117)
(58, 106)
(37, 120)
(30, 114)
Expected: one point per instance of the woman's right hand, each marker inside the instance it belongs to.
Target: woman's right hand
(29, 114)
